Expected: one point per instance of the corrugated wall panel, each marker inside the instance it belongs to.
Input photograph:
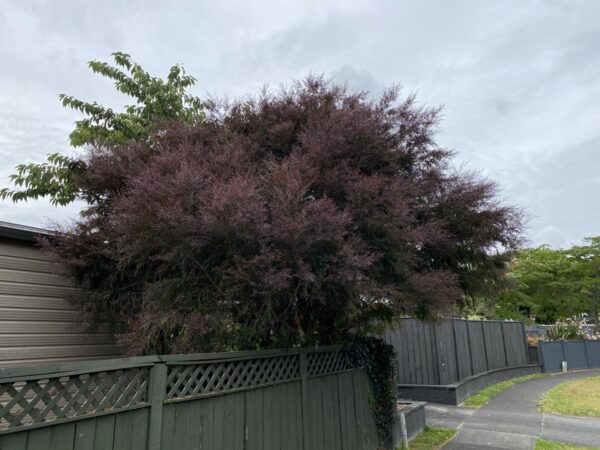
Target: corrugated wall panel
(18, 249)
(31, 265)
(38, 327)
(37, 322)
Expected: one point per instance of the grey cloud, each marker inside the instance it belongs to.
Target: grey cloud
(520, 81)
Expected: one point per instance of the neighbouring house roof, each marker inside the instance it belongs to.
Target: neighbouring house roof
(21, 232)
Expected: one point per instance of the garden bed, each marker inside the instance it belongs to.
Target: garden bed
(414, 417)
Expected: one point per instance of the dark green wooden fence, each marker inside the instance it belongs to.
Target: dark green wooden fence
(451, 350)
(304, 399)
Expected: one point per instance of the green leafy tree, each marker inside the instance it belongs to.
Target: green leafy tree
(553, 284)
(586, 259)
(157, 101)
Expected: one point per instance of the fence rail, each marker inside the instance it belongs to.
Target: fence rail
(294, 399)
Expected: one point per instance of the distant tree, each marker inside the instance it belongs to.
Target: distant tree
(587, 268)
(543, 283)
(287, 219)
(61, 178)
(553, 284)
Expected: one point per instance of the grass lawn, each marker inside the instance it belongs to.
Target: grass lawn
(483, 396)
(547, 445)
(574, 398)
(432, 439)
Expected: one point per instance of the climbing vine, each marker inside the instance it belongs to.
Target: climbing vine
(379, 360)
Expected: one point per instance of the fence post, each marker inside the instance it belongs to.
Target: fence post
(467, 323)
(564, 353)
(485, 352)
(158, 387)
(440, 360)
(541, 356)
(304, 384)
(504, 344)
(526, 343)
(456, 359)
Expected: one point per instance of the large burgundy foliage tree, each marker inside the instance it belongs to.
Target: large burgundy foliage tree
(287, 219)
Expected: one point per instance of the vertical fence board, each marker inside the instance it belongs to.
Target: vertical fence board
(316, 409)
(123, 431)
(208, 415)
(327, 413)
(228, 430)
(429, 354)
(295, 399)
(358, 391)
(279, 414)
(84, 435)
(218, 425)
(17, 441)
(267, 419)
(413, 342)
(402, 343)
(254, 416)
(463, 355)
(369, 438)
(140, 425)
(445, 338)
(422, 355)
(347, 388)
(335, 398)
(477, 346)
(344, 434)
(239, 429)
(105, 429)
(495, 345)
(39, 439)
(167, 427)
(195, 425)
(180, 425)
(63, 437)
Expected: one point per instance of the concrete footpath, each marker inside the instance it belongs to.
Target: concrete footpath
(511, 420)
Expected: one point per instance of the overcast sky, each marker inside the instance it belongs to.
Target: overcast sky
(520, 80)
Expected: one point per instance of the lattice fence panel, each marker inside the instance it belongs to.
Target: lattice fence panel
(323, 363)
(210, 378)
(51, 399)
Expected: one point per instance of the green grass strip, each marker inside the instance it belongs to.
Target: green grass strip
(548, 445)
(432, 439)
(484, 396)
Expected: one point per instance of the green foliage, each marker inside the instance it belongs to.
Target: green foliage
(552, 284)
(55, 178)
(156, 101)
(476, 307)
(379, 360)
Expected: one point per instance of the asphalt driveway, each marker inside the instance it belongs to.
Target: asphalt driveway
(511, 420)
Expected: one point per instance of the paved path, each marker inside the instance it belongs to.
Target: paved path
(511, 420)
